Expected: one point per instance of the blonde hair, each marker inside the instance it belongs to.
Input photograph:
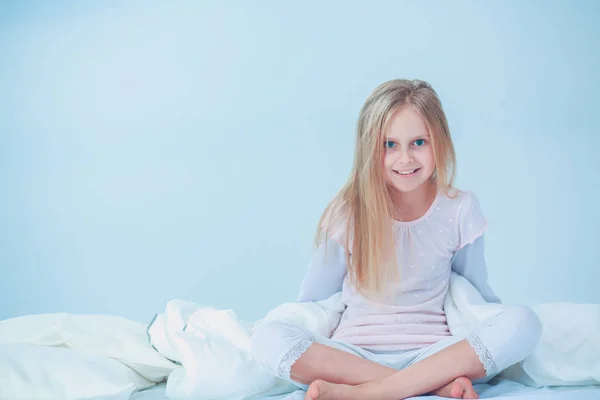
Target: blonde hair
(364, 204)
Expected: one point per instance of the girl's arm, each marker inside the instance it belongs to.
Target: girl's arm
(326, 273)
(469, 262)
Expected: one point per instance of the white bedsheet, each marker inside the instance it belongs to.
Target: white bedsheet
(499, 389)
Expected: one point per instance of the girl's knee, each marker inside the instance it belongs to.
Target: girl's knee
(272, 342)
(507, 338)
(527, 327)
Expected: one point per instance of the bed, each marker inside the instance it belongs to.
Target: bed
(205, 353)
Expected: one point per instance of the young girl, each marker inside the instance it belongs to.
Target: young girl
(388, 241)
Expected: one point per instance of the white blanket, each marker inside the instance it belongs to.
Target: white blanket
(210, 353)
(69, 356)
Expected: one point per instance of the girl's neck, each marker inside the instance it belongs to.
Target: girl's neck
(413, 205)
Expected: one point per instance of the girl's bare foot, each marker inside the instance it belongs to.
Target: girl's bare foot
(322, 390)
(460, 388)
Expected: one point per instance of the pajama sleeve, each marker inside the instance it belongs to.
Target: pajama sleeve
(469, 262)
(326, 273)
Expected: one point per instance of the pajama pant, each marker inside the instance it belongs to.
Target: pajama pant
(502, 340)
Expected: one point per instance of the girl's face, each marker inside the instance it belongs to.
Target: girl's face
(408, 161)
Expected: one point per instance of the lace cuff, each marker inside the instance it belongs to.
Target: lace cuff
(484, 354)
(285, 366)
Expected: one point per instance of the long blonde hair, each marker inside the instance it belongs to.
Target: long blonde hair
(364, 204)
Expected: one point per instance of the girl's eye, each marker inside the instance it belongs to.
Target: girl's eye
(419, 142)
(389, 144)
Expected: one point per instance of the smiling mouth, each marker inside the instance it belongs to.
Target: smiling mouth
(407, 173)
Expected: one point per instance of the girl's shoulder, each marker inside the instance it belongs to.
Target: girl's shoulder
(464, 207)
(459, 201)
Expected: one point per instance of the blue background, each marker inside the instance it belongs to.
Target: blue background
(160, 150)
